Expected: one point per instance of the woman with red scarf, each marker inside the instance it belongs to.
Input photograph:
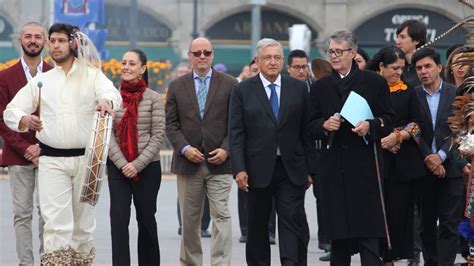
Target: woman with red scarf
(134, 169)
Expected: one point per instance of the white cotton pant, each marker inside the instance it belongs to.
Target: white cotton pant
(68, 223)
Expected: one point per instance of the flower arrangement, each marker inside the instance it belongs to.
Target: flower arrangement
(158, 71)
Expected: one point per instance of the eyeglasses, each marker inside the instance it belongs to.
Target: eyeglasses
(199, 53)
(337, 52)
(299, 67)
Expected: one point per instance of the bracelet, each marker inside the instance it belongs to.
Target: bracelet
(399, 137)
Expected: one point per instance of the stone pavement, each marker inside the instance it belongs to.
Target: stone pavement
(167, 229)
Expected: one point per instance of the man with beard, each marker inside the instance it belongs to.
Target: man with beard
(70, 93)
(21, 150)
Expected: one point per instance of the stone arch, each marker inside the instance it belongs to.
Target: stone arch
(8, 26)
(222, 15)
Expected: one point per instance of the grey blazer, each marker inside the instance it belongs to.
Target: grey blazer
(184, 125)
(151, 132)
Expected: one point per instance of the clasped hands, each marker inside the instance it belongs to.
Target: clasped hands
(129, 170)
(391, 143)
(218, 156)
(434, 163)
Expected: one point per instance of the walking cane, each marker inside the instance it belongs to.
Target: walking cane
(379, 179)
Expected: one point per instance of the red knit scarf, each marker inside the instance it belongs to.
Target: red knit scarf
(127, 129)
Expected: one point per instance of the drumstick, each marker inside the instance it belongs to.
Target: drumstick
(40, 85)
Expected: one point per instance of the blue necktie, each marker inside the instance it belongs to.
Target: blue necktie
(202, 95)
(274, 100)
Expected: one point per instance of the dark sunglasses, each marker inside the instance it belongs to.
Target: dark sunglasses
(199, 53)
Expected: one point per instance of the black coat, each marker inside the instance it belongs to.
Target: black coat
(409, 75)
(408, 163)
(350, 197)
(255, 134)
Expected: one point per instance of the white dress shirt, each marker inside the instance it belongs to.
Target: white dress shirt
(267, 83)
(26, 68)
(268, 91)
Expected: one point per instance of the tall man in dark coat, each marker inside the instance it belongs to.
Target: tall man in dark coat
(21, 150)
(351, 203)
(441, 190)
(268, 148)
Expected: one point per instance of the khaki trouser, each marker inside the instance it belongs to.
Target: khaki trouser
(191, 190)
(23, 179)
(69, 224)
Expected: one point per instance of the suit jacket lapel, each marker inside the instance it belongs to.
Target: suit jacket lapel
(20, 74)
(263, 98)
(284, 91)
(442, 103)
(191, 91)
(213, 87)
(424, 104)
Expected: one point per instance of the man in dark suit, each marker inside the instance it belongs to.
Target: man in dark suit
(242, 195)
(196, 121)
(441, 190)
(20, 150)
(268, 147)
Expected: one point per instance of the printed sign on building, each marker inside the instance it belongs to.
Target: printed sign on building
(381, 30)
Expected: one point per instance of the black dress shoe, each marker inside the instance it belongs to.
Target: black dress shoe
(324, 246)
(243, 239)
(205, 233)
(271, 239)
(326, 257)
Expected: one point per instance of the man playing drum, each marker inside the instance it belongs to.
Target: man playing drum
(66, 97)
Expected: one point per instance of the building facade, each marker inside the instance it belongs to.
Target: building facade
(166, 26)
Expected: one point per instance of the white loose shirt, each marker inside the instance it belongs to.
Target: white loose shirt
(67, 104)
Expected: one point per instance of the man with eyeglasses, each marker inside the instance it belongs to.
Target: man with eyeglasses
(196, 126)
(351, 204)
(298, 65)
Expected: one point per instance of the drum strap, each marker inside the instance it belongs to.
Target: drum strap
(53, 152)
